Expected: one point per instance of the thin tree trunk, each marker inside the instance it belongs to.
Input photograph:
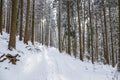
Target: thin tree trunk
(51, 37)
(103, 41)
(79, 24)
(118, 65)
(26, 35)
(84, 29)
(96, 39)
(8, 24)
(21, 21)
(91, 30)
(59, 27)
(42, 29)
(32, 38)
(68, 19)
(18, 18)
(40, 32)
(111, 33)
(75, 40)
(106, 55)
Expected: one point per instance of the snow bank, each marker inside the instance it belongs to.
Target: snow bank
(41, 63)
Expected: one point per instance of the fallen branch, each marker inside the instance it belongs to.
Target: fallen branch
(12, 59)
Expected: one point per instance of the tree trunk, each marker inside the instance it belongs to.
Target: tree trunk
(118, 65)
(96, 51)
(106, 55)
(75, 40)
(21, 21)
(12, 39)
(84, 29)
(8, 24)
(26, 35)
(32, 38)
(68, 19)
(79, 24)
(59, 27)
(111, 34)
(91, 31)
(1, 1)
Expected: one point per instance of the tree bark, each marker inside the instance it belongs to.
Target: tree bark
(111, 34)
(26, 35)
(68, 19)
(12, 39)
(91, 31)
(118, 64)
(32, 38)
(106, 55)
(59, 27)
(21, 21)
(1, 1)
(79, 24)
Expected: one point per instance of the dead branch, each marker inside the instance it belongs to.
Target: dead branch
(12, 59)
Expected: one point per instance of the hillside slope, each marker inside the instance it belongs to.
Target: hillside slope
(44, 63)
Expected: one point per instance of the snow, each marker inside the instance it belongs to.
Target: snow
(39, 62)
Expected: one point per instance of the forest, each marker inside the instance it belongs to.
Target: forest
(88, 30)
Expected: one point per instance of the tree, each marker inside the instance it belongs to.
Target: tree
(75, 40)
(79, 24)
(68, 19)
(12, 39)
(1, 11)
(91, 32)
(21, 21)
(26, 36)
(111, 34)
(32, 38)
(96, 45)
(59, 26)
(118, 66)
(8, 24)
(106, 55)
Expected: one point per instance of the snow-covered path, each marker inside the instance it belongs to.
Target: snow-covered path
(49, 64)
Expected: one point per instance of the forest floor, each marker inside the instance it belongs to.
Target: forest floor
(45, 63)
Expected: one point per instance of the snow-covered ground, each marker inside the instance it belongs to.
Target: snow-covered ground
(44, 63)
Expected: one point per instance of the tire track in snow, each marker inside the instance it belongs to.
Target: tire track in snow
(52, 67)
